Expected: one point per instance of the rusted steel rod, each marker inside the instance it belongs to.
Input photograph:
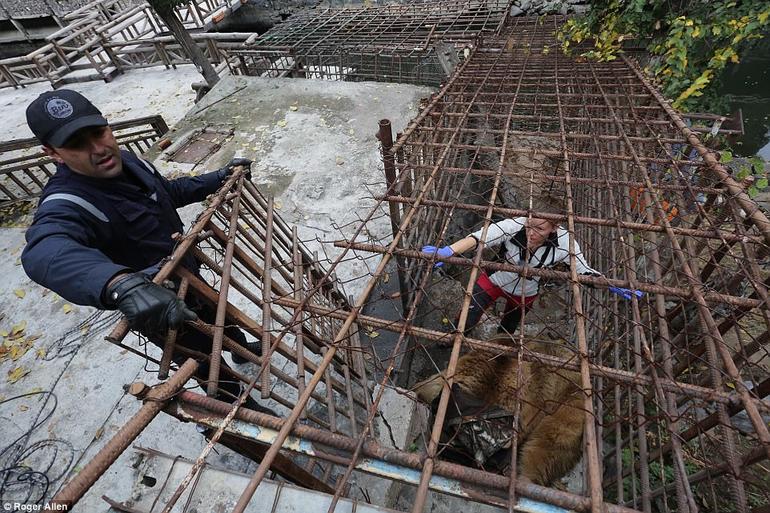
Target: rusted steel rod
(555, 135)
(619, 375)
(267, 295)
(168, 347)
(602, 282)
(219, 327)
(539, 177)
(376, 451)
(593, 447)
(72, 492)
(299, 339)
(595, 221)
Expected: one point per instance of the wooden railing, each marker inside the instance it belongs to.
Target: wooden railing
(24, 168)
(109, 36)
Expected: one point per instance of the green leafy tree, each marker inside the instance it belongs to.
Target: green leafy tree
(166, 9)
(691, 41)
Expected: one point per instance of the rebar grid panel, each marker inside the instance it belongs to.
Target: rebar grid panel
(390, 43)
(258, 276)
(396, 27)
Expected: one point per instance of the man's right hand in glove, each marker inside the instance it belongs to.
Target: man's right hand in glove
(146, 305)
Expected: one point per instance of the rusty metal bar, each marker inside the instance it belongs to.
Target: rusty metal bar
(219, 329)
(406, 459)
(297, 269)
(156, 398)
(267, 294)
(168, 348)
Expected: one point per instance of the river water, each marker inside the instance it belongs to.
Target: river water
(746, 85)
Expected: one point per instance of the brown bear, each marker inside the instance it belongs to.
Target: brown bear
(551, 417)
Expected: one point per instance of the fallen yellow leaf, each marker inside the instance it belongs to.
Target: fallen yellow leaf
(281, 123)
(3, 333)
(24, 407)
(18, 351)
(20, 293)
(67, 308)
(16, 374)
(445, 320)
(293, 107)
(385, 278)
(18, 329)
(40, 353)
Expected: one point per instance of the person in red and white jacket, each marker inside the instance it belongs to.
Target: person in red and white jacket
(537, 243)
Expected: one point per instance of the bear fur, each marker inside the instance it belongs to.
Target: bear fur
(551, 418)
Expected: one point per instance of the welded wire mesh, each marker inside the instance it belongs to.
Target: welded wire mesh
(389, 43)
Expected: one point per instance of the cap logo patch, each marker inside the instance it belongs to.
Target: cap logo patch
(58, 108)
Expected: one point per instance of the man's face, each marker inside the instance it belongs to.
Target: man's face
(91, 151)
(538, 231)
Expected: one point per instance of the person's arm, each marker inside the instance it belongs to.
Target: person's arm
(496, 234)
(581, 264)
(499, 232)
(193, 189)
(463, 245)
(60, 256)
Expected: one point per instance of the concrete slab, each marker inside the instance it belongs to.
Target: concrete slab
(135, 94)
(401, 423)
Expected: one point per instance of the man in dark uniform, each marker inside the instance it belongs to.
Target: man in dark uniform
(105, 222)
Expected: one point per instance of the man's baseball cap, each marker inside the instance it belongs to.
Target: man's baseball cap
(55, 115)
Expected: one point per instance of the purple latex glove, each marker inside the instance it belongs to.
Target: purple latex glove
(626, 293)
(443, 252)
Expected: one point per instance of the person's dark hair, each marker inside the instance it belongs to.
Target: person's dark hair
(551, 207)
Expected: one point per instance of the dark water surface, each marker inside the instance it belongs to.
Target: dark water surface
(747, 86)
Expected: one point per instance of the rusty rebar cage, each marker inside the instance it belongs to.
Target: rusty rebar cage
(389, 43)
(671, 382)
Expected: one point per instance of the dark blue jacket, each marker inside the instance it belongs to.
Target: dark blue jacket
(87, 230)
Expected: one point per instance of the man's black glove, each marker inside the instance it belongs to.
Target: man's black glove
(228, 169)
(148, 306)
